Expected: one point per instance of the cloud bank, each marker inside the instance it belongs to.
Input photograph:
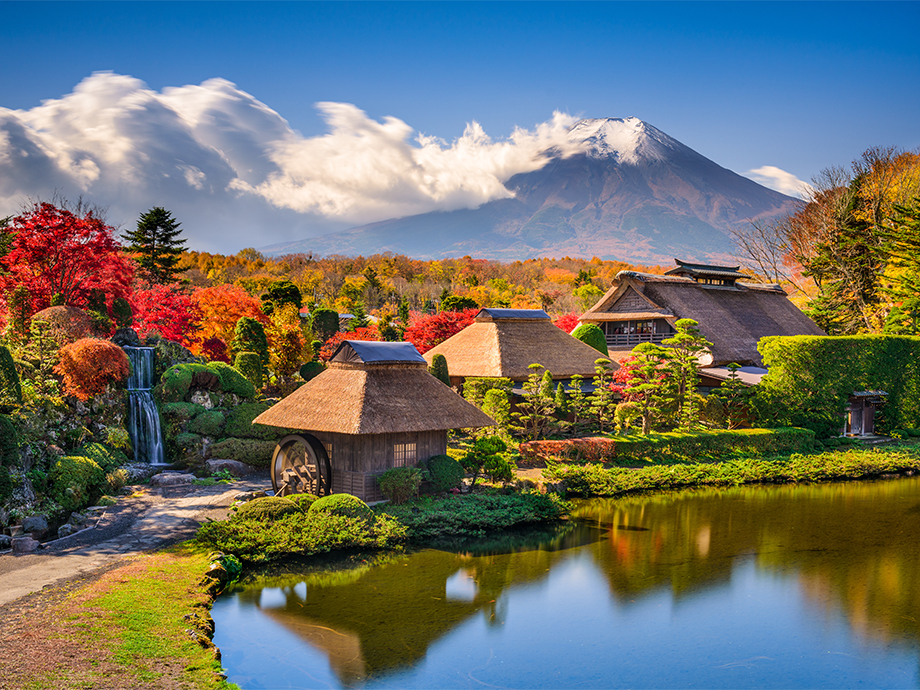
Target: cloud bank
(234, 171)
(779, 180)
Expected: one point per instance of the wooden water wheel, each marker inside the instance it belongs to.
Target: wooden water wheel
(300, 465)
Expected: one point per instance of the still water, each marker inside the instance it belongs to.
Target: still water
(811, 586)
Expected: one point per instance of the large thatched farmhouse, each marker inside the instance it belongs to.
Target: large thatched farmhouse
(374, 408)
(734, 316)
(505, 342)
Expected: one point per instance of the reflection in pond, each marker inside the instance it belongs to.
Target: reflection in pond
(791, 586)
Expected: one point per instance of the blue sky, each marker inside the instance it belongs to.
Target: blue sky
(799, 86)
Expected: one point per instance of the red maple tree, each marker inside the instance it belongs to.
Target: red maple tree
(331, 345)
(568, 322)
(54, 251)
(89, 365)
(167, 310)
(427, 330)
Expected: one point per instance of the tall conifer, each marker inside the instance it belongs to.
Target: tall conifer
(157, 244)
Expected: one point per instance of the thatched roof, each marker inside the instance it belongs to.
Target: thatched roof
(374, 388)
(505, 342)
(733, 317)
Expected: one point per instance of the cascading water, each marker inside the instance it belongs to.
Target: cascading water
(143, 418)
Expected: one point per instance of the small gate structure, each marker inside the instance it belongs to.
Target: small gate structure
(860, 416)
(300, 465)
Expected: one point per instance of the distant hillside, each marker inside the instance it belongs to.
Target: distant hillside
(636, 195)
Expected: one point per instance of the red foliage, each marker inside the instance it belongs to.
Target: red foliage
(221, 307)
(55, 251)
(167, 310)
(568, 322)
(427, 330)
(580, 450)
(215, 350)
(89, 365)
(331, 345)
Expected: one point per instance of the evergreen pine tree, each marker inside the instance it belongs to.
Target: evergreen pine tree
(157, 244)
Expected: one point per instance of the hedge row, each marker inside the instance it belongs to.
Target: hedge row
(594, 480)
(670, 447)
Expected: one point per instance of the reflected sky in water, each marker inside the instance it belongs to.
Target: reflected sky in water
(813, 586)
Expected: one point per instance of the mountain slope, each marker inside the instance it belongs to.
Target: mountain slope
(634, 194)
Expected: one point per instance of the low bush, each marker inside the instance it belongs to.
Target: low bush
(344, 505)
(249, 450)
(310, 370)
(107, 458)
(117, 480)
(672, 447)
(473, 515)
(239, 423)
(75, 480)
(89, 365)
(399, 484)
(189, 444)
(208, 423)
(444, 473)
(301, 534)
(232, 381)
(594, 480)
(591, 334)
(267, 509)
(303, 501)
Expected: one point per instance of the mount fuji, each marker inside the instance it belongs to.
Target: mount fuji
(630, 192)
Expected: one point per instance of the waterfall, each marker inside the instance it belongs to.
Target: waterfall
(143, 418)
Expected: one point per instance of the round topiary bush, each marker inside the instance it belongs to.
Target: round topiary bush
(344, 505)
(444, 473)
(310, 370)
(267, 509)
(74, 480)
(304, 501)
(232, 381)
(591, 334)
(249, 364)
(65, 324)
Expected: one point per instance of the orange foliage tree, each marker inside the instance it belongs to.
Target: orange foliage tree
(89, 365)
(221, 307)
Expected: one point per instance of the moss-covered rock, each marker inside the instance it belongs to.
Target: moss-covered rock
(209, 423)
(189, 444)
(249, 450)
(181, 411)
(176, 381)
(232, 381)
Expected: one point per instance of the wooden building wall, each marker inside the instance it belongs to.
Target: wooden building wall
(357, 460)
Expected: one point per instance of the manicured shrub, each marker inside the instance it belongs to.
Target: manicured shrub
(444, 473)
(249, 364)
(310, 370)
(267, 509)
(181, 411)
(344, 505)
(209, 423)
(10, 388)
(438, 369)
(9, 443)
(65, 324)
(190, 444)
(399, 484)
(249, 336)
(303, 501)
(475, 387)
(177, 380)
(89, 365)
(75, 480)
(325, 323)
(239, 423)
(232, 381)
(591, 334)
(279, 293)
(249, 450)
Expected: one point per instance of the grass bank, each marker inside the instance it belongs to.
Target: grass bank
(595, 480)
(144, 624)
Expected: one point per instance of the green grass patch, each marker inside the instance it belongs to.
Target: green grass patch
(595, 480)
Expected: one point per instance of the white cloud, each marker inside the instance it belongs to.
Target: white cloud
(234, 171)
(779, 180)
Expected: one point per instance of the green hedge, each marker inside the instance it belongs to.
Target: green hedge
(594, 480)
(811, 378)
(249, 450)
(239, 423)
(673, 446)
(208, 423)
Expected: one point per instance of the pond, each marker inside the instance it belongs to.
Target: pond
(797, 586)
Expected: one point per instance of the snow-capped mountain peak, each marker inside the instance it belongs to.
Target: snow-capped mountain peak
(627, 140)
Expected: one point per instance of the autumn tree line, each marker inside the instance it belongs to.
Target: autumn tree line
(850, 253)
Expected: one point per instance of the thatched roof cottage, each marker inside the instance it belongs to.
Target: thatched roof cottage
(733, 315)
(505, 342)
(374, 408)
